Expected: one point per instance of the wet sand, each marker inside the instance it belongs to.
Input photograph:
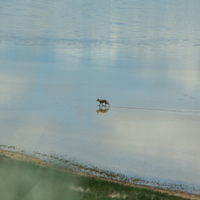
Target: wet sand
(22, 157)
(25, 158)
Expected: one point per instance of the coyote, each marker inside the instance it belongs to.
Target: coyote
(101, 101)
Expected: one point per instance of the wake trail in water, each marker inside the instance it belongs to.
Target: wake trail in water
(189, 112)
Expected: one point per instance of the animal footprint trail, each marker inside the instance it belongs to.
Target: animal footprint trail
(104, 102)
(192, 112)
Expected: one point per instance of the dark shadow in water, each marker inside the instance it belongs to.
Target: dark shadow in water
(103, 109)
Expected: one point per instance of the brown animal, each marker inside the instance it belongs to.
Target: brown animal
(103, 101)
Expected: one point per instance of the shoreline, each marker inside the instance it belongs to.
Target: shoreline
(26, 158)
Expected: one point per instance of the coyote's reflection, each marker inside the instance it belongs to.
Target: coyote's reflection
(102, 109)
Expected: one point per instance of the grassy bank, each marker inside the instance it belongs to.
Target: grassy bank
(22, 180)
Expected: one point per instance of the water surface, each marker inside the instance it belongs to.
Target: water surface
(57, 58)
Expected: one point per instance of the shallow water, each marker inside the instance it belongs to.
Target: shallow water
(57, 58)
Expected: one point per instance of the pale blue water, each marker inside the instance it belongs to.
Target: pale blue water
(58, 57)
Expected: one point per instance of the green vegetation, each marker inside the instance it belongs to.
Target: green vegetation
(20, 180)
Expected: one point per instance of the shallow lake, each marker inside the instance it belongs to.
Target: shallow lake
(58, 57)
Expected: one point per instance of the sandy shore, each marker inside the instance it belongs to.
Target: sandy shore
(25, 158)
(22, 157)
